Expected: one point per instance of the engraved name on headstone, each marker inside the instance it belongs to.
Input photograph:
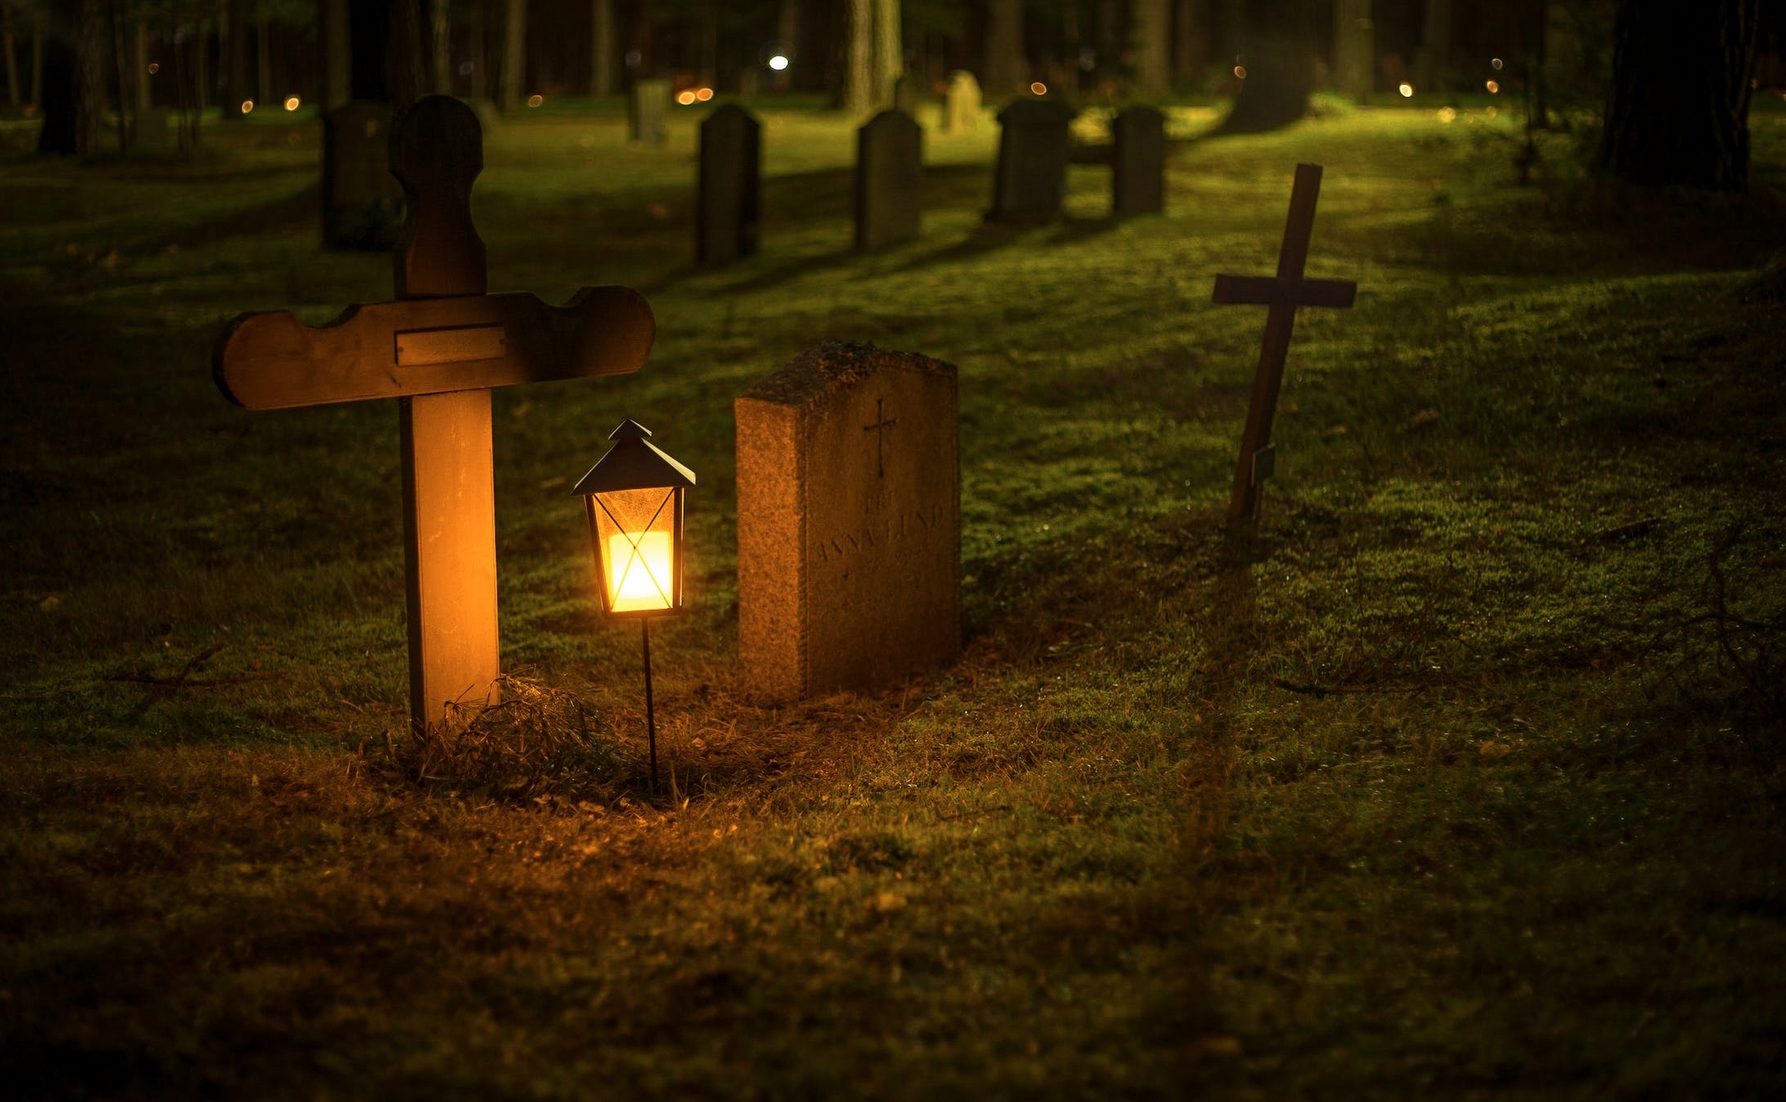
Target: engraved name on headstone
(849, 538)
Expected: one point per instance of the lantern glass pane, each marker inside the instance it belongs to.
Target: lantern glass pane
(636, 533)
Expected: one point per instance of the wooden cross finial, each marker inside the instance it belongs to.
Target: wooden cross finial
(1283, 293)
(437, 151)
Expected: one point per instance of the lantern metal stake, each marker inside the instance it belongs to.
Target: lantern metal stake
(634, 497)
(650, 713)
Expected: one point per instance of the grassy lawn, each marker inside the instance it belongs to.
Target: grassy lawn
(1461, 777)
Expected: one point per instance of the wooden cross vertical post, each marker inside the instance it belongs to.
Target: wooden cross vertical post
(439, 350)
(1283, 293)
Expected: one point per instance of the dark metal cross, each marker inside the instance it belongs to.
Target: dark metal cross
(881, 424)
(1283, 293)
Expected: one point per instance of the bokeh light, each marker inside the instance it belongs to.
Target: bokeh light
(1240, 72)
(535, 100)
(703, 94)
(291, 103)
(247, 106)
(779, 62)
(1447, 115)
(1037, 88)
(1494, 87)
(1406, 89)
(154, 67)
(686, 97)
(1495, 64)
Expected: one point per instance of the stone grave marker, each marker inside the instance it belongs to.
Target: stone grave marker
(889, 171)
(961, 103)
(648, 112)
(849, 531)
(1138, 184)
(1283, 293)
(730, 175)
(1032, 161)
(438, 349)
(362, 203)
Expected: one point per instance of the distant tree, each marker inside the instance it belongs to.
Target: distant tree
(1150, 45)
(12, 57)
(601, 47)
(73, 95)
(514, 55)
(874, 57)
(1680, 93)
(1434, 56)
(1190, 40)
(1007, 67)
(1278, 51)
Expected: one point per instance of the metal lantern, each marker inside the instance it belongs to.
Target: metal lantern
(634, 498)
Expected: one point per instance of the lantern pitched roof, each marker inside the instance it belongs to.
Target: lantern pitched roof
(633, 463)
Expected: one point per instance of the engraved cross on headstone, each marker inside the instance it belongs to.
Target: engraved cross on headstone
(1283, 293)
(880, 426)
(439, 350)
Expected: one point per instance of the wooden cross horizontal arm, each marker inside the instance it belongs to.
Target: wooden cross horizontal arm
(272, 360)
(1240, 290)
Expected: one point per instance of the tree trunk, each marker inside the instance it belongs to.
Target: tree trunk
(37, 59)
(787, 32)
(858, 69)
(121, 65)
(480, 73)
(337, 53)
(1007, 70)
(235, 60)
(442, 28)
(1434, 57)
(601, 48)
(12, 59)
(1354, 53)
(514, 55)
(145, 83)
(1278, 51)
(73, 78)
(408, 60)
(1680, 93)
(263, 58)
(1150, 42)
(889, 51)
(1190, 41)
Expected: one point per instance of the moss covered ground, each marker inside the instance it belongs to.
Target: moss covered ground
(1461, 777)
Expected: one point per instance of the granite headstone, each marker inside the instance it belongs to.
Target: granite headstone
(1033, 149)
(849, 537)
(889, 169)
(648, 111)
(961, 103)
(1138, 185)
(362, 201)
(730, 175)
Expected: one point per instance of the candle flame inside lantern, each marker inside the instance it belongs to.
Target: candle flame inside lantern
(638, 571)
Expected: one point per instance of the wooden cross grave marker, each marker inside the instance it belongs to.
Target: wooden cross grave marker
(439, 350)
(1283, 293)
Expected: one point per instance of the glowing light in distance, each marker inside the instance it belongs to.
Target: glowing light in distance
(703, 94)
(778, 62)
(1495, 64)
(1492, 111)
(686, 97)
(535, 100)
(1447, 115)
(291, 103)
(1494, 87)
(1037, 88)
(247, 106)
(1240, 72)
(1406, 89)
(154, 67)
